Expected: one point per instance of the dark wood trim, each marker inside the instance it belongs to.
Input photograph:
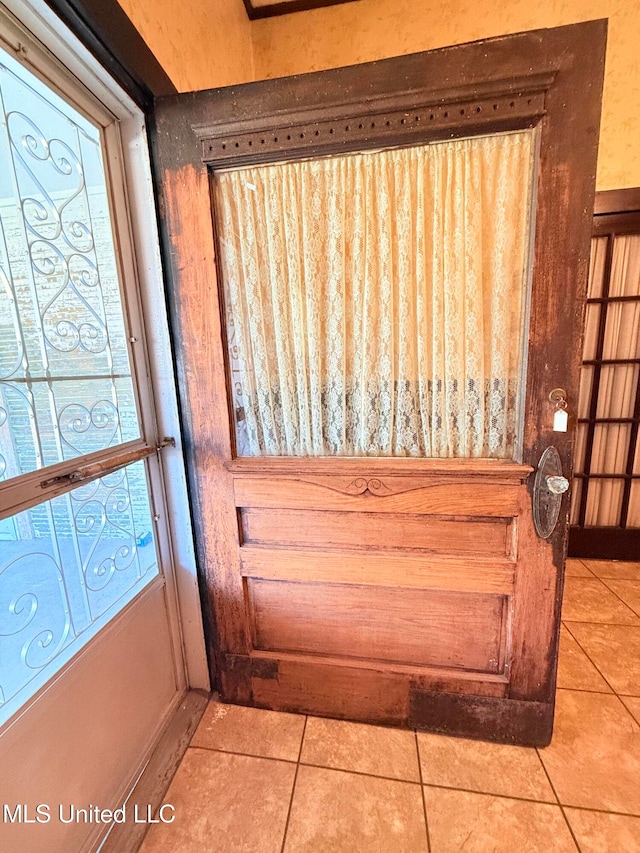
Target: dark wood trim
(413, 116)
(605, 543)
(105, 29)
(492, 718)
(619, 223)
(152, 785)
(625, 476)
(254, 13)
(617, 201)
(631, 456)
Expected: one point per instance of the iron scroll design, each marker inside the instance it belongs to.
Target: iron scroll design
(65, 377)
(71, 562)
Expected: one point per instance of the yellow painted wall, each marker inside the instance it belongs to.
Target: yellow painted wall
(206, 43)
(373, 29)
(201, 44)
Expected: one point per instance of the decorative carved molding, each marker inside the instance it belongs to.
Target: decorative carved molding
(410, 117)
(372, 486)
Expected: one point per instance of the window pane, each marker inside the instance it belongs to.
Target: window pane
(604, 503)
(617, 394)
(67, 567)
(596, 266)
(375, 302)
(625, 266)
(622, 332)
(580, 447)
(65, 377)
(610, 448)
(576, 493)
(586, 385)
(592, 319)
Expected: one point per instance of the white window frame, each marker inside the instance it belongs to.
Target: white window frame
(30, 30)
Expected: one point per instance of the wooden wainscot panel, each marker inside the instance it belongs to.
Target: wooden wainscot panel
(430, 495)
(383, 531)
(408, 626)
(410, 570)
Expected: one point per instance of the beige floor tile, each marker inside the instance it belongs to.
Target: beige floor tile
(338, 812)
(513, 771)
(253, 731)
(575, 670)
(633, 706)
(614, 569)
(628, 591)
(478, 823)
(576, 569)
(225, 803)
(597, 832)
(589, 600)
(594, 756)
(366, 749)
(615, 650)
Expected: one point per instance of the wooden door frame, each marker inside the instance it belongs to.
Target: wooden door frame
(507, 83)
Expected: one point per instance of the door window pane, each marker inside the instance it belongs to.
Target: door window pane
(65, 378)
(68, 566)
(376, 301)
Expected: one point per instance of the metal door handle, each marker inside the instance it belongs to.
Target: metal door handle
(548, 488)
(557, 484)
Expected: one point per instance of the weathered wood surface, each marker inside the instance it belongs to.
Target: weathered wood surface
(560, 71)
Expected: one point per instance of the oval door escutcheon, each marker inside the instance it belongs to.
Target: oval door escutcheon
(548, 488)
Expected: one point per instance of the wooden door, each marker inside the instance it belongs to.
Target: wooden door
(406, 591)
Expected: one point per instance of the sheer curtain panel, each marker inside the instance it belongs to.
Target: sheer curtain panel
(375, 302)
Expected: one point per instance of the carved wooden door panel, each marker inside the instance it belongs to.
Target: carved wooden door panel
(404, 586)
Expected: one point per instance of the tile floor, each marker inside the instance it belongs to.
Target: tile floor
(264, 782)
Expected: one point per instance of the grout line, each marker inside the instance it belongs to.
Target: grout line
(548, 802)
(628, 709)
(304, 732)
(244, 754)
(584, 565)
(604, 581)
(555, 793)
(424, 799)
(358, 773)
(608, 588)
(603, 811)
(293, 787)
(335, 769)
(585, 690)
(588, 656)
(620, 698)
(405, 781)
(603, 622)
(435, 784)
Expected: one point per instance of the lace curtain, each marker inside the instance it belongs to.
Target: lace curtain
(375, 301)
